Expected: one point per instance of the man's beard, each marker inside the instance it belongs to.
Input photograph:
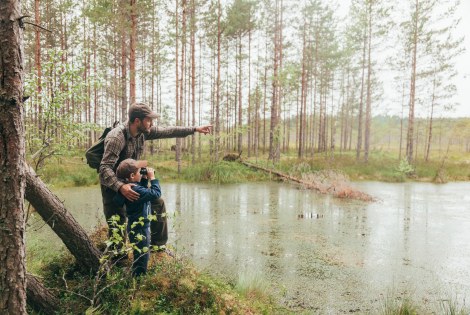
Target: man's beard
(141, 129)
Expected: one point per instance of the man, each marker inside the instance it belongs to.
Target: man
(128, 141)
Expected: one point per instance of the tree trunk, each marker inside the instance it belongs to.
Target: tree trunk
(433, 99)
(401, 121)
(217, 99)
(39, 297)
(181, 83)
(411, 114)
(250, 129)
(123, 76)
(193, 77)
(361, 101)
(265, 95)
(12, 157)
(240, 111)
(303, 97)
(95, 86)
(133, 45)
(177, 82)
(123, 64)
(53, 212)
(368, 97)
(274, 129)
(37, 60)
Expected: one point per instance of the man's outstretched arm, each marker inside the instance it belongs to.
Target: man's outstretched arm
(176, 132)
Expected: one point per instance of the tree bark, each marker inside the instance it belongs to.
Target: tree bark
(12, 156)
(39, 297)
(54, 213)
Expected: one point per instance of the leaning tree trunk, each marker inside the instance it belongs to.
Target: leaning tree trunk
(12, 151)
(53, 212)
(39, 298)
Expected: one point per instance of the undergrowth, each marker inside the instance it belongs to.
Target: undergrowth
(171, 286)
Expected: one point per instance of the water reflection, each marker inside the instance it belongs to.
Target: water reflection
(346, 257)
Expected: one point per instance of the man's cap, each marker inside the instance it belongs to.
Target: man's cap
(141, 110)
(128, 167)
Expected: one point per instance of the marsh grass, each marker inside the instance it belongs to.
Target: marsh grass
(451, 307)
(250, 283)
(401, 306)
(222, 173)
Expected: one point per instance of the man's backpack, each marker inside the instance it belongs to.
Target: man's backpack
(94, 154)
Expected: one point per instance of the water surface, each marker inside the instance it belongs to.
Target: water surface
(316, 252)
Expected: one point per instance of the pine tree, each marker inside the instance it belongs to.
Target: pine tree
(12, 162)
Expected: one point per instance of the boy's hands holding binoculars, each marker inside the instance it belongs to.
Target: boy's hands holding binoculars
(150, 173)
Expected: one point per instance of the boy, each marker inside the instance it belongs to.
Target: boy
(135, 173)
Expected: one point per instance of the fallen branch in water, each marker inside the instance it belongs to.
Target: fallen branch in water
(338, 189)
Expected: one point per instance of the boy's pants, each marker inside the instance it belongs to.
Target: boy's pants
(141, 258)
(158, 228)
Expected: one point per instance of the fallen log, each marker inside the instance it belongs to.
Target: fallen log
(340, 192)
(39, 297)
(54, 213)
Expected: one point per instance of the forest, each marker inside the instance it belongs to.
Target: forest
(279, 80)
(270, 76)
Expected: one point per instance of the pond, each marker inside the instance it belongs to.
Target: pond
(314, 252)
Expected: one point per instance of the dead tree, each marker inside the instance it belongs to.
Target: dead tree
(53, 212)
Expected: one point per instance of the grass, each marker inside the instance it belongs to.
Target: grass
(172, 286)
(406, 306)
(222, 173)
(72, 170)
(382, 166)
(451, 307)
(249, 283)
(402, 306)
